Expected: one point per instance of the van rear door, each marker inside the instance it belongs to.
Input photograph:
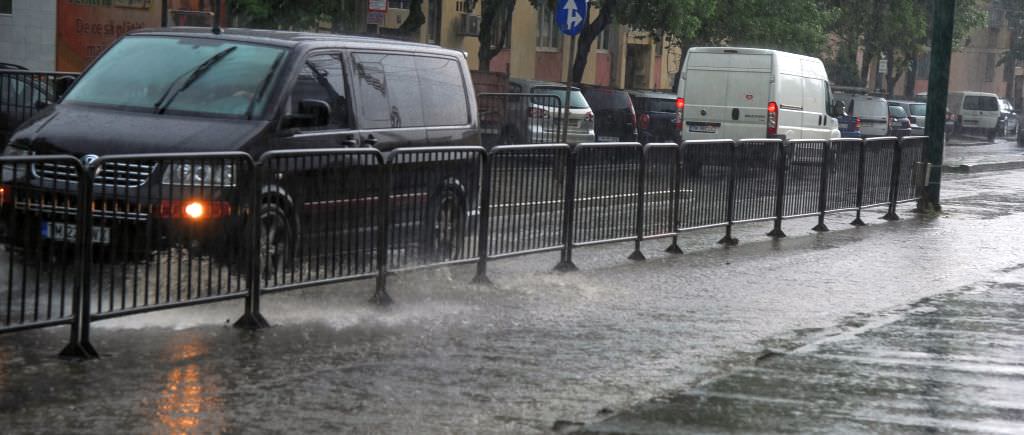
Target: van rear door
(726, 95)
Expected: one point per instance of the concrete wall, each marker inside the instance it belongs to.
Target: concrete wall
(28, 37)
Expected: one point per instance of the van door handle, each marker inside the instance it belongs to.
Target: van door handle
(369, 141)
(735, 114)
(348, 141)
(821, 120)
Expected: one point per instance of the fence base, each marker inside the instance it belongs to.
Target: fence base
(566, 266)
(729, 241)
(821, 228)
(252, 322)
(891, 216)
(79, 351)
(481, 279)
(637, 256)
(381, 298)
(674, 247)
(776, 232)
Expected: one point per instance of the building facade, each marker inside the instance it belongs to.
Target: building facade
(28, 33)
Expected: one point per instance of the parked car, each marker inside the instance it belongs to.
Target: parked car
(899, 122)
(581, 115)
(740, 93)
(659, 118)
(916, 111)
(849, 126)
(1009, 118)
(614, 116)
(187, 90)
(21, 95)
(977, 112)
(873, 113)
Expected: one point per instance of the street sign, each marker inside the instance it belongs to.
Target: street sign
(571, 15)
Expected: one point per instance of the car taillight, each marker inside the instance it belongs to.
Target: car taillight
(537, 113)
(645, 121)
(857, 123)
(678, 122)
(680, 104)
(773, 119)
(589, 117)
(3, 195)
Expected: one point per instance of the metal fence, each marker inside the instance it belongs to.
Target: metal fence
(122, 235)
(22, 94)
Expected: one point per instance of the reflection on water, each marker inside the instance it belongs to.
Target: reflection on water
(189, 402)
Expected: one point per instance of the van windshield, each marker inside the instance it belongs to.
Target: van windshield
(981, 102)
(181, 74)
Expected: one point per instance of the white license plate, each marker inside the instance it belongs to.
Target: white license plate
(703, 129)
(62, 232)
(607, 139)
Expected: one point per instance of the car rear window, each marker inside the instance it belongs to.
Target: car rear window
(981, 102)
(897, 112)
(868, 108)
(658, 105)
(607, 99)
(576, 100)
(918, 109)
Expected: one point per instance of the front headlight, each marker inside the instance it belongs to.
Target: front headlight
(200, 174)
(12, 172)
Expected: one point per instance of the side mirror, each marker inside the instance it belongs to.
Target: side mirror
(61, 85)
(838, 109)
(311, 113)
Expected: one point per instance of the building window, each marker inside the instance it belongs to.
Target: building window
(604, 40)
(990, 67)
(548, 35)
(398, 4)
(6, 7)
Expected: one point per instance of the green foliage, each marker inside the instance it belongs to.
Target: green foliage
(343, 15)
(791, 25)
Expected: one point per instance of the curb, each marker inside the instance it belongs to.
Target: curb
(982, 167)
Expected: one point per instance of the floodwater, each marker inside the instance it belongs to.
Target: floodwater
(535, 349)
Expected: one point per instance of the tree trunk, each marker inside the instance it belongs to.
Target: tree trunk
(587, 37)
(495, 23)
(911, 83)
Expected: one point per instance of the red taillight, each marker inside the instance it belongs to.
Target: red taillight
(857, 123)
(773, 119)
(678, 122)
(537, 113)
(645, 121)
(589, 116)
(3, 195)
(680, 103)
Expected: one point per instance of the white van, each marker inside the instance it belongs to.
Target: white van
(977, 111)
(873, 113)
(743, 93)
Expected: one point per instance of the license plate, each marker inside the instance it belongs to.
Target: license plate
(844, 125)
(62, 232)
(607, 139)
(703, 129)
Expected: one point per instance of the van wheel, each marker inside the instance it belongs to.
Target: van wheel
(447, 217)
(278, 239)
(992, 134)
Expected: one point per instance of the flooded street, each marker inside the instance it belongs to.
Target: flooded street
(538, 347)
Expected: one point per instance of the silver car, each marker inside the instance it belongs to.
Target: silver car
(581, 117)
(1009, 117)
(916, 112)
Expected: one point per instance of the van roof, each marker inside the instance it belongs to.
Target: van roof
(975, 93)
(296, 39)
(786, 62)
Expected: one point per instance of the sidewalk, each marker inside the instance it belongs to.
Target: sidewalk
(963, 155)
(951, 363)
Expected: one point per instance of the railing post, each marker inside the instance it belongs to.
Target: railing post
(380, 294)
(79, 346)
(894, 183)
(858, 222)
(253, 318)
(780, 191)
(637, 255)
(676, 199)
(728, 239)
(826, 166)
(485, 220)
(565, 264)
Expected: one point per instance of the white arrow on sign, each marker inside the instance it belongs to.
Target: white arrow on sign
(573, 16)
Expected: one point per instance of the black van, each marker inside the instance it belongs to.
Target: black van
(190, 90)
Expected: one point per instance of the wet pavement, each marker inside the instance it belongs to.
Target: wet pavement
(971, 155)
(541, 347)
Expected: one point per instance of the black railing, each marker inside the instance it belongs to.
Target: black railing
(129, 234)
(22, 94)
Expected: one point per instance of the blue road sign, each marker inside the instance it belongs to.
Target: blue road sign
(571, 15)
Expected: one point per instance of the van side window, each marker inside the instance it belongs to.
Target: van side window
(389, 91)
(444, 91)
(322, 78)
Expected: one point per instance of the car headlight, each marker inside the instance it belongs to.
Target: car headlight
(12, 172)
(200, 174)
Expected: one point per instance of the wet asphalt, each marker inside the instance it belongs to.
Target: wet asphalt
(822, 323)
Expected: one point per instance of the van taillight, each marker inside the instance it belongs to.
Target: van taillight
(680, 104)
(773, 119)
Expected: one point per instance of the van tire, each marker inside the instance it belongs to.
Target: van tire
(278, 238)
(993, 134)
(445, 225)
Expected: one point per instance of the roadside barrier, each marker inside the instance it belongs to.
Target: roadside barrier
(92, 239)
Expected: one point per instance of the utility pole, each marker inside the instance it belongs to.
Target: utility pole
(938, 92)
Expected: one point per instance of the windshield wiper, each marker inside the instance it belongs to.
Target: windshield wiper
(263, 86)
(172, 91)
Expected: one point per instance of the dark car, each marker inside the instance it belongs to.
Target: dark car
(614, 116)
(658, 117)
(22, 94)
(899, 122)
(187, 90)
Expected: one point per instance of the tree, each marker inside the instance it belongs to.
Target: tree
(657, 17)
(345, 16)
(495, 27)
